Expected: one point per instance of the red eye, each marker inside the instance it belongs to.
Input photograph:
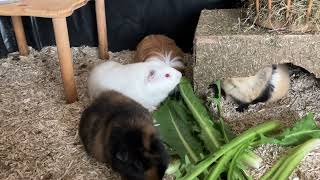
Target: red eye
(167, 75)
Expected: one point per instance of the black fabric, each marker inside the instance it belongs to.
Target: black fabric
(128, 22)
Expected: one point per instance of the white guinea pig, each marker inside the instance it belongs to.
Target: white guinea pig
(148, 83)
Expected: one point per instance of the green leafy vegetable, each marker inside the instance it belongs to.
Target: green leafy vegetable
(220, 166)
(285, 166)
(175, 129)
(186, 167)
(303, 130)
(274, 168)
(250, 159)
(233, 166)
(208, 149)
(292, 161)
(225, 130)
(247, 136)
(211, 137)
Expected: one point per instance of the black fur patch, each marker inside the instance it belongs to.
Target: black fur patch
(274, 67)
(215, 90)
(127, 153)
(269, 89)
(163, 159)
(242, 107)
(129, 156)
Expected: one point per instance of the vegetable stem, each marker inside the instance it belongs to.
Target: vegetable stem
(173, 166)
(251, 159)
(220, 166)
(200, 115)
(248, 135)
(233, 166)
(274, 168)
(294, 159)
(248, 158)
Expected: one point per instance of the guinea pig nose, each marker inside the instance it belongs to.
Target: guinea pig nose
(167, 75)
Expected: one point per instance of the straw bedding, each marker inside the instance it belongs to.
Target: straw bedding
(38, 131)
(284, 17)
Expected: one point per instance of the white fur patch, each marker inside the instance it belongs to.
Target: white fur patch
(166, 58)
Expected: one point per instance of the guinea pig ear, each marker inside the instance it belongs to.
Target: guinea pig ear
(122, 156)
(151, 75)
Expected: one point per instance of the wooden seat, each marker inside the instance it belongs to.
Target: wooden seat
(42, 8)
(58, 10)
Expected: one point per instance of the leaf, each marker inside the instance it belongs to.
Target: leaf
(226, 131)
(211, 136)
(303, 130)
(176, 130)
(185, 168)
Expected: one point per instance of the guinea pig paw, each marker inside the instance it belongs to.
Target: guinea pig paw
(241, 108)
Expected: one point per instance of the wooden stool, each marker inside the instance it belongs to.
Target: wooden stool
(58, 10)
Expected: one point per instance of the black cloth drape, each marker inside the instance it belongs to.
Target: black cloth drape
(128, 22)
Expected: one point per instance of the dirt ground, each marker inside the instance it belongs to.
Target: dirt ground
(38, 131)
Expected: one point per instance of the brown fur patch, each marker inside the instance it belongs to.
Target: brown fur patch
(152, 45)
(99, 152)
(98, 149)
(148, 132)
(152, 174)
(117, 97)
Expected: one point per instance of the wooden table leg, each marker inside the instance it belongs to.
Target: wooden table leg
(102, 29)
(20, 35)
(65, 58)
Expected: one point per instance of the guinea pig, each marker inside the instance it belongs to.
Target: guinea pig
(148, 83)
(158, 47)
(268, 85)
(116, 130)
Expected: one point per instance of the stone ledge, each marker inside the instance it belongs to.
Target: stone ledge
(222, 50)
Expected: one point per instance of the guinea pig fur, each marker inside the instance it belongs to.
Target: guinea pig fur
(148, 83)
(118, 131)
(268, 85)
(157, 47)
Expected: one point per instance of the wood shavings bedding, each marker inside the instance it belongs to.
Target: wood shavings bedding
(38, 131)
(303, 97)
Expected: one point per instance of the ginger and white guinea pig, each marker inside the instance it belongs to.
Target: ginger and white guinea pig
(158, 47)
(268, 85)
(148, 83)
(116, 130)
